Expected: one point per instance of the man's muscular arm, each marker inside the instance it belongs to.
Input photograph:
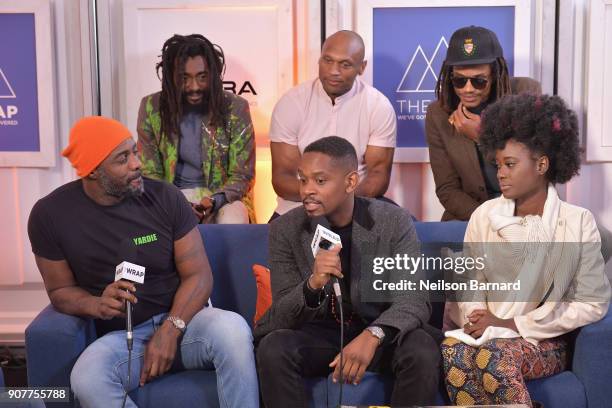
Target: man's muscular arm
(68, 298)
(285, 158)
(192, 294)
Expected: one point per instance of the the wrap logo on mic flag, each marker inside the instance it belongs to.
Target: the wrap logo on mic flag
(129, 271)
(322, 233)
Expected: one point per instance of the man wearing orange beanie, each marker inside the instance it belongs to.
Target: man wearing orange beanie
(84, 229)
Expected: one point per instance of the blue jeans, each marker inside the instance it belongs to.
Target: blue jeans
(215, 339)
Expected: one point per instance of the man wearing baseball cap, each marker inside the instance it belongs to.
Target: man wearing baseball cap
(473, 75)
(81, 231)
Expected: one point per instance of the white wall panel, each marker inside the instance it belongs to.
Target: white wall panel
(599, 98)
(11, 252)
(577, 38)
(257, 38)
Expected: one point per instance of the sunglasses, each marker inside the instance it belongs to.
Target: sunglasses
(477, 83)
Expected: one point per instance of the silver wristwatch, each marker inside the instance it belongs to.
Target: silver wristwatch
(377, 332)
(177, 322)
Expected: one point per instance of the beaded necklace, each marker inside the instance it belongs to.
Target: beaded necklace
(348, 321)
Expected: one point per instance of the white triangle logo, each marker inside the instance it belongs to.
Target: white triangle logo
(401, 88)
(11, 93)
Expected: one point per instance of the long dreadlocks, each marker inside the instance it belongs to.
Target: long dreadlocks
(449, 99)
(175, 53)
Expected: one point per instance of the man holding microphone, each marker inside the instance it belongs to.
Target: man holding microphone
(299, 336)
(79, 234)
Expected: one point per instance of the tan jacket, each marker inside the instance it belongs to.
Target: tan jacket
(460, 184)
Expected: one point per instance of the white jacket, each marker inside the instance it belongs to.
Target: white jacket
(579, 278)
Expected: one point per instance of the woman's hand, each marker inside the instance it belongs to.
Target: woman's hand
(480, 319)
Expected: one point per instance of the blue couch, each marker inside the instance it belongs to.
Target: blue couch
(54, 340)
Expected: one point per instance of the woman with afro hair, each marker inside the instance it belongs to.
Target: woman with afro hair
(530, 237)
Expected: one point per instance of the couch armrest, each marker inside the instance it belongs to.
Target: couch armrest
(592, 361)
(54, 341)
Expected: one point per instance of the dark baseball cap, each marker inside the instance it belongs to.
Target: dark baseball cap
(472, 46)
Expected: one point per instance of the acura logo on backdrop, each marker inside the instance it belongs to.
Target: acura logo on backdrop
(419, 54)
(241, 89)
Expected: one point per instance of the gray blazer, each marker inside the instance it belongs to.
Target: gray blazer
(379, 230)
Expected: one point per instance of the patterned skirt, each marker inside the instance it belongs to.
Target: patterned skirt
(495, 372)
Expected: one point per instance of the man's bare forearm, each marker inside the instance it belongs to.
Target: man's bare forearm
(75, 301)
(191, 296)
(373, 185)
(287, 187)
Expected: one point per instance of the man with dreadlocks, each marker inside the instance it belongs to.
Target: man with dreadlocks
(198, 136)
(473, 75)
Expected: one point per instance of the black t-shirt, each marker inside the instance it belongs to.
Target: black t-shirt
(94, 239)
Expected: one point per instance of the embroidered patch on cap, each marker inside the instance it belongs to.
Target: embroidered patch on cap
(468, 47)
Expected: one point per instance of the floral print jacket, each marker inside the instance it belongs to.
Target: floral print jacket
(228, 155)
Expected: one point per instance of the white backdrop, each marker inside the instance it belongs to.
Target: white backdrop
(258, 47)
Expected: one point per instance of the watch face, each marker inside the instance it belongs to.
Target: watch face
(178, 323)
(377, 331)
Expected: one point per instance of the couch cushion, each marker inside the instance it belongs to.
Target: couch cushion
(232, 250)
(374, 389)
(434, 236)
(561, 390)
(449, 231)
(316, 390)
(264, 290)
(54, 341)
(591, 361)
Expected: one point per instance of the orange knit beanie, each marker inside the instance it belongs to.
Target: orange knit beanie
(92, 139)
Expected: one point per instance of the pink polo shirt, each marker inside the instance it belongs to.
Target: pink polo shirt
(363, 116)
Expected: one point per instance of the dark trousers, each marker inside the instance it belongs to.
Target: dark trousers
(285, 357)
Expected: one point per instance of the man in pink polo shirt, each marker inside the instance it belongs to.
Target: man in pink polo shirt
(336, 103)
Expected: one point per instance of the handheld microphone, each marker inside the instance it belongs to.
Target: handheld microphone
(325, 244)
(326, 239)
(133, 273)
